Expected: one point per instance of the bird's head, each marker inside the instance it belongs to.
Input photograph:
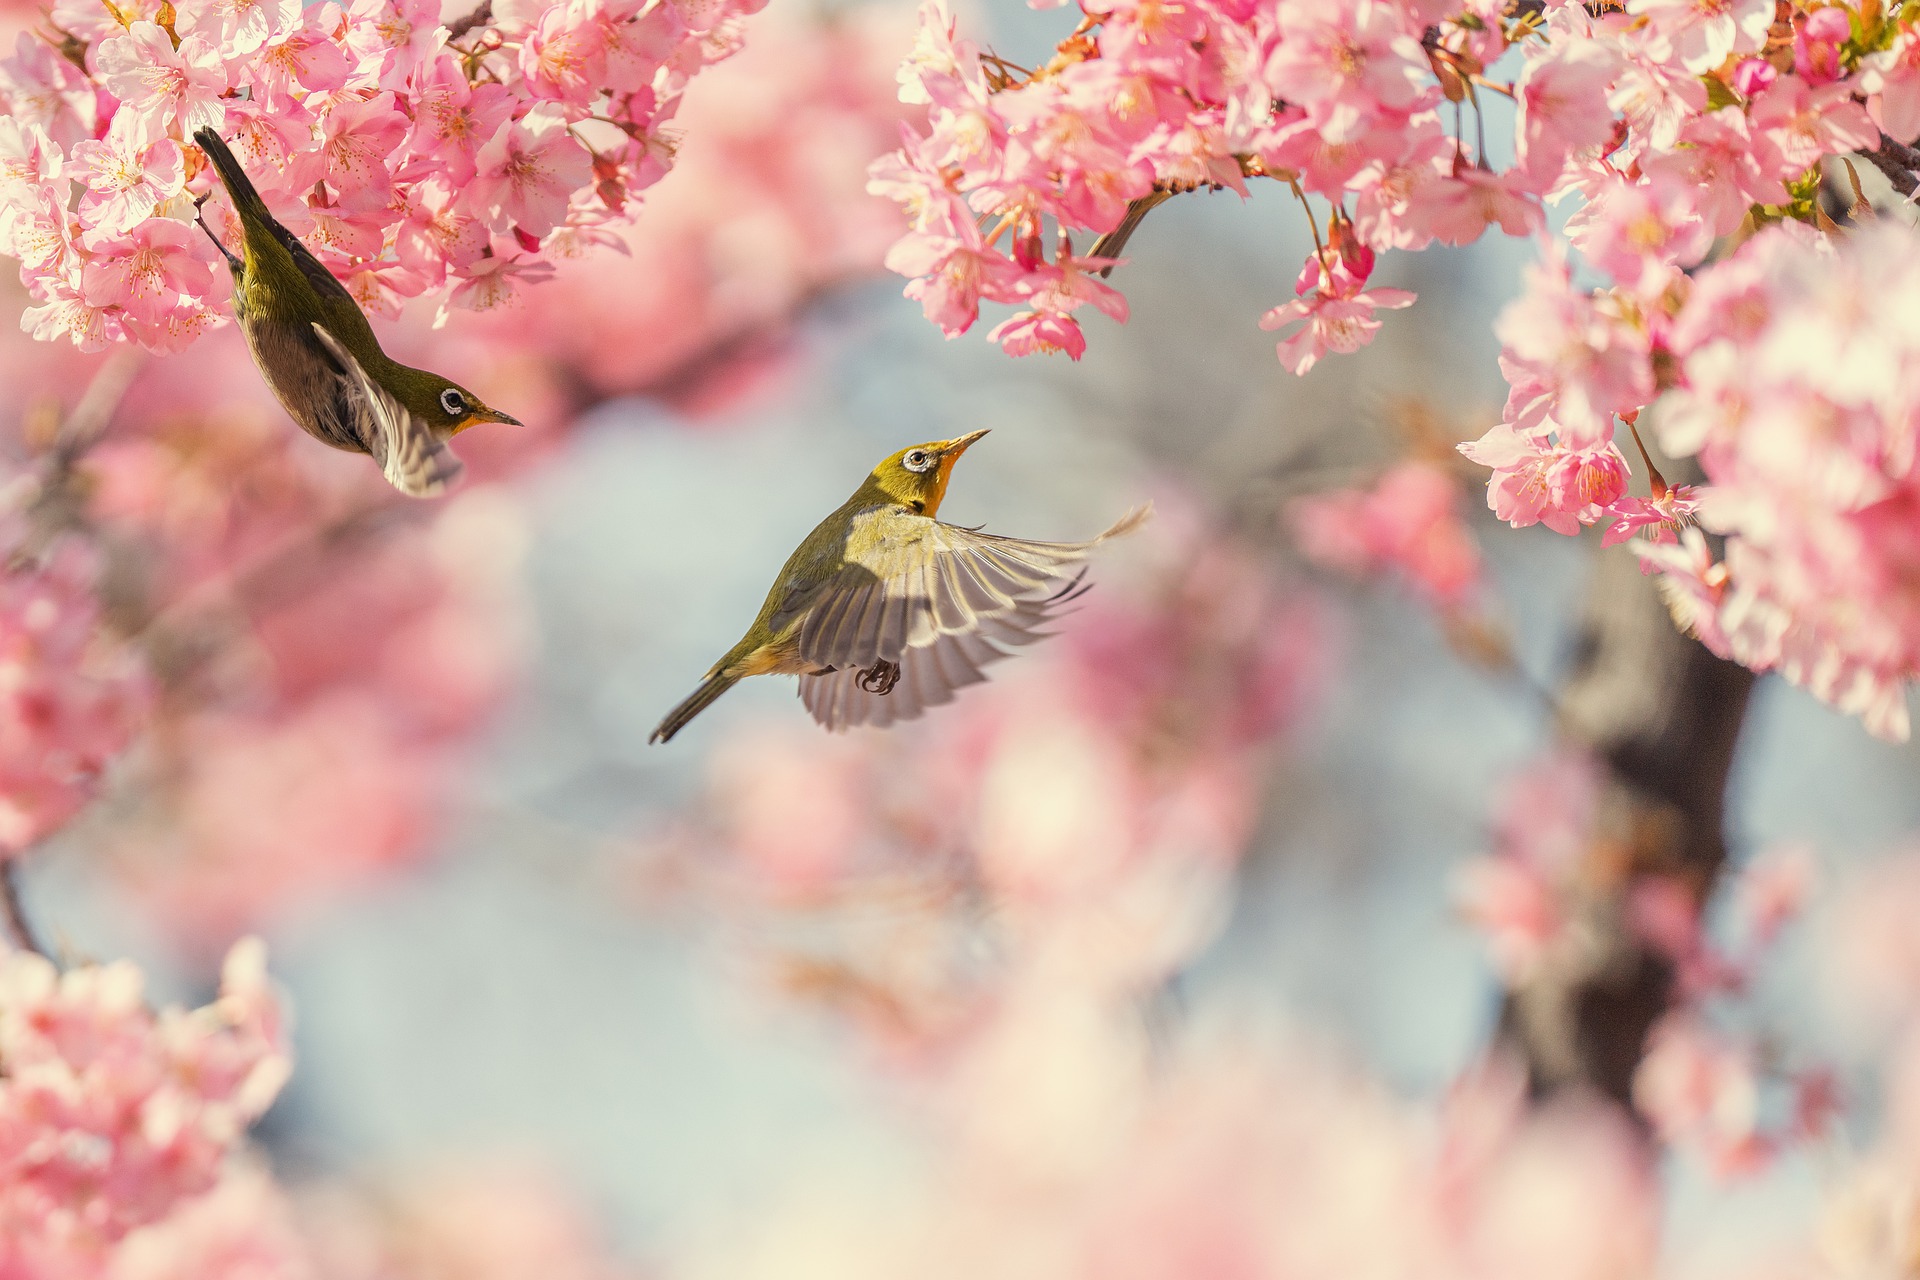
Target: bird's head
(917, 477)
(441, 403)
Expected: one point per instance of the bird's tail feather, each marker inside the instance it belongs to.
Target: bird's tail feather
(699, 700)
(240, 187)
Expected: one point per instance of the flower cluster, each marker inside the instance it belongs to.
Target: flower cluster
(112, 1116)
(1143, 101)
(412, 157)
(767, 209)
(68, 701)
(1670, 120)
(1674, 125)
(1798, 397)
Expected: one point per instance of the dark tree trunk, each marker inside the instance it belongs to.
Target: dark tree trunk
(1662, 715)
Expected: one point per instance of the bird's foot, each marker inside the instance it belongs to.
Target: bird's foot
(880, 677)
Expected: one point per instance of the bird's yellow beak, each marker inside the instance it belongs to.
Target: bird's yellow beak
(954, 448)
(479, 416)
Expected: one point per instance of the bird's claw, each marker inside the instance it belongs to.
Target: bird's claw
(880, 677)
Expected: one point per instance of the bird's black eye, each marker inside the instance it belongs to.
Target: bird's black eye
(918, 460)
(453, 402)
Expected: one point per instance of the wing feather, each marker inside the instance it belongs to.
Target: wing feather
(414, 460)
(941, 601)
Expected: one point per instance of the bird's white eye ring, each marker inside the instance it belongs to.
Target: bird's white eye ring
(453, 402)
(918, 460)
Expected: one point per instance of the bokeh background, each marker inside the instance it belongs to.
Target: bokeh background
(717, 1007)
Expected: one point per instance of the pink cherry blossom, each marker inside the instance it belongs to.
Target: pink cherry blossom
(528, 172)
(1816, 45)
(360, 135)
(150, 272)
(1814, 530)
(1753, 76)
(1701, 1090)
(29, 161)
(239, 27)
(453, 119)
(1347, 62)
(1772, 890)
(339, 115)
(163, 91)
(1563, 106)
(1721, 172)
(1665, 514)
(1538, 482)
(305, 57)
(1892, 79)
(564, 56)
(111, 1115)
(60, 312)
(1694, 585)
(1337, 316)
(1575, 357)
(1027, 333)
(1804, 123)
(44, 237)
(1704, 33)
(1642, 234)
(393, 38)
(437, 235)
(43, 90)
(1459, 209)
(494, 281)
(1053, 293)
(1657, 97)
(126, 181)
(952, 273)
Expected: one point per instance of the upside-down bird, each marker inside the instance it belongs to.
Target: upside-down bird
(317, 352)
(885, 610)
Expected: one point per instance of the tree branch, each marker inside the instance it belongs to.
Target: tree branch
(13, 912)
(1897, 162)
(478, 18)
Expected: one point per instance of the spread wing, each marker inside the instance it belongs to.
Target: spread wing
(942, 605)
(415, 461)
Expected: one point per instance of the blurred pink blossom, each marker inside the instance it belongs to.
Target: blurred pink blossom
(1517, 894)
(1703, 1091)
(1409, 522)
(69, 700)
(113, 1116)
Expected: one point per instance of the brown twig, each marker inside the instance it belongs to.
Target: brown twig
(480, 17)
(19, 931)
(1898, 162)
(1111, 244)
